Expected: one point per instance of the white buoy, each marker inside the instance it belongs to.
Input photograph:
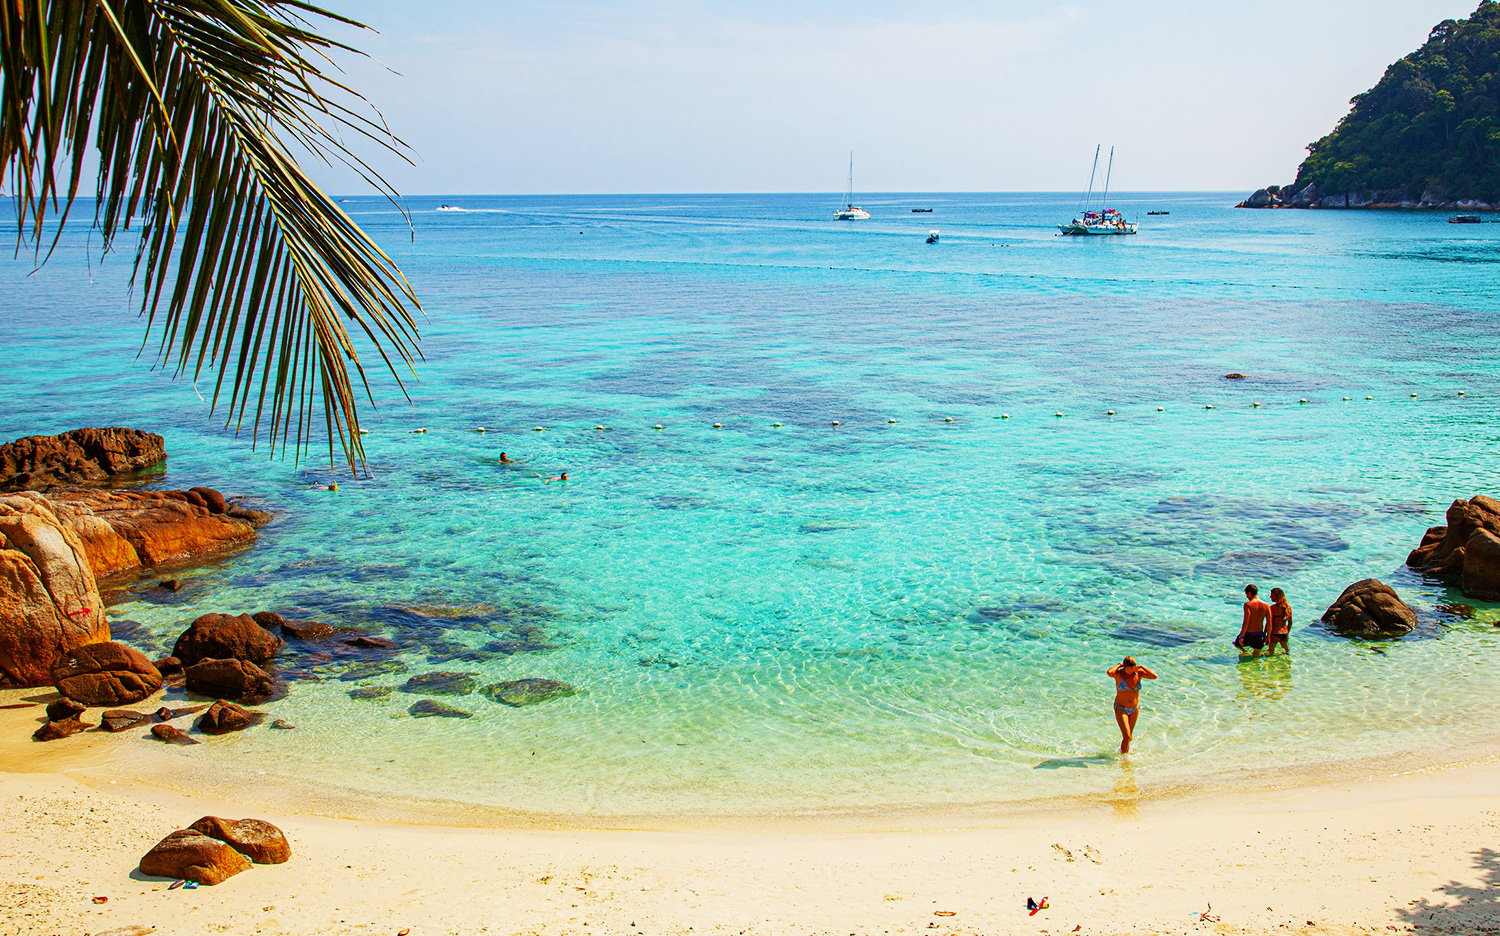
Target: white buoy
(479, 429)
(658, 426)
(538, 429)
(1161, 409)
(1109, 412)
(367, 432)
(1004, 415)
(1460, 393)
(1413, 394)
(1346, 399)
(1303, 400)
(415, 431)
(835, 423)
(1058, 415)
(718, 425)
(776, 425)
(1208, 406)
(599, 428)
(1369, 398)
(892, 421)
(1256, 404)
(947, 419)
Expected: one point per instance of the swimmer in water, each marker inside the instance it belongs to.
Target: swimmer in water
(1127, 676)
(505, 460)
(561, 477)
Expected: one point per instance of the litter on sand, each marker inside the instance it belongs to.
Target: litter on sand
(175, 884)
(101, 900)
(1034, 907)
(193, 885)
(944, 913)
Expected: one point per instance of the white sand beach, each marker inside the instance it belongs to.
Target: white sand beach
(1416, 851)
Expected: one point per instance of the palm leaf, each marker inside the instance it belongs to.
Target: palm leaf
(246, 268)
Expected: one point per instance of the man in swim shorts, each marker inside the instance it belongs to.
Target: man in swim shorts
(1253, 624)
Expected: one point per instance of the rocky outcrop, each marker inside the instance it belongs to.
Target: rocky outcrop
(193, 856)
(80, 456)
(103, 674)
(256, 839)
(1372, 610)
(171, 735)
(1466, 552)
(125, 530)
(49, 600)
(230, 679)
(223, 717)
(1275, 196)
(226, 637)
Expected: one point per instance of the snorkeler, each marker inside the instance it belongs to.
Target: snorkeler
(1127, 676)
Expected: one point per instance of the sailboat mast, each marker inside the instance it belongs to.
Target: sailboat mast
(1107, 173)
(849, 192)
(1092, 172)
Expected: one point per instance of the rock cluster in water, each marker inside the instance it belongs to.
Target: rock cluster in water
(1466, 552)
(1370, 609)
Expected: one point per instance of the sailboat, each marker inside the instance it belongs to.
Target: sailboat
(1106, 220)
(851, 211)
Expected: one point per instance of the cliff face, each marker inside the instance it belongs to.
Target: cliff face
(1426, 136)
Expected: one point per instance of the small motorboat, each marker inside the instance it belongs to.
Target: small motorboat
(932, 236)
(921, 211)
(1158, 212)
(1466, 219)
(449, 208)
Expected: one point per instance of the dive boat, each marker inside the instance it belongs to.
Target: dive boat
(851, 211)
(1465, 219)
(1106, 220)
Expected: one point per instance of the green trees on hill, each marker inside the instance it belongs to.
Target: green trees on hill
(1431, 126)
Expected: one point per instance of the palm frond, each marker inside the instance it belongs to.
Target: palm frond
(246, 268)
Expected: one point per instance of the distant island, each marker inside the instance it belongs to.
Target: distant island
(1426, 136)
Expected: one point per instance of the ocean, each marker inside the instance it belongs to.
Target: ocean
(950, 484)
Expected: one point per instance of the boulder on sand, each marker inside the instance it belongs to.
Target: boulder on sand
(193, 856)
(62, 728)
(103, 674)
(223, 717)
(256, 839)
(1444, 551)
(1370, 609)
(64, 709)
(226, 637)
(171, 734)
(49, 601)
(117, 720)
(229, 679)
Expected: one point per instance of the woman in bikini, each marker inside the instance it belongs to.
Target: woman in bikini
(1281, 623)
(1127, 677)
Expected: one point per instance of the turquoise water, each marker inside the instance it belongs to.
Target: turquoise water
(915, 612)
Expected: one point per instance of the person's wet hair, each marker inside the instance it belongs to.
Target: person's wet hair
(1251, 590)
(1129, 661)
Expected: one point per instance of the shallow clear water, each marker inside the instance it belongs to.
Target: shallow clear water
(810, 616)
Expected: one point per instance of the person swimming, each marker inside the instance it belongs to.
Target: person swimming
(1127, 676)
(1280, 630)
(1253, 624)
(504, 460)
(560, 477)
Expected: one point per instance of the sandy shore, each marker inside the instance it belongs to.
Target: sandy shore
(1416, 851)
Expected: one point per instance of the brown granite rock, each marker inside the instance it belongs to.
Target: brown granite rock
(105, 674)
(1443, 552)
(168, 666)
(1481, 575)
(256, 839)
(82, 455)
(171, 734)
(167, 714)
(117, 720)
(64, 709)
(226, 637)
(212, 499)
(54, 730)
(1370, 609)
(123, 530)
(229, 679)
(223, 717)
(268, 619)
(193, 856)
(366, 642)
(306, 630)
(49, 601)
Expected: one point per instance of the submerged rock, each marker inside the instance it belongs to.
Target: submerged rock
(229, 679)
(529, 691)
(49, 600)
(372, 693)
(366, 642)
(1370, 609)
(256, 839)
(171, 735)
(440, 684)
(429, 708)
(226, 637)
(193, 856)
(108, 673)
(306, 630)
(371, 670)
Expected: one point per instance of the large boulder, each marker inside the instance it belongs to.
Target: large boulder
(103, 674)
(226, 637)
(1481, 576)
(49, 600)
(1370, 609)
(1444, 551)
(256, 839)
(193, 856)
(229, 679)
(82, 455)
(223, 717)
(124, 530)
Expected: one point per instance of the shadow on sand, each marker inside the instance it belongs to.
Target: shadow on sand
(1467, 908)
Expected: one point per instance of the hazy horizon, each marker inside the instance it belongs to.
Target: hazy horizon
(668, 96)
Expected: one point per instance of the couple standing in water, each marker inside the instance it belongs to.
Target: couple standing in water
(1263, 626)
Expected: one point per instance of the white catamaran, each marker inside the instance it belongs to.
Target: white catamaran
(851, 211)
(1106, 220)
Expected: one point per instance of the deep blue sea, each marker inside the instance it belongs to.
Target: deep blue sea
(896, 571)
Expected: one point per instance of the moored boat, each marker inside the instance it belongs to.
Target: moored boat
(851, 211)
(1106, 220)
(1465, 219)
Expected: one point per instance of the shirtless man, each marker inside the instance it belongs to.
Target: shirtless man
(1253, 625)
(1127, 676)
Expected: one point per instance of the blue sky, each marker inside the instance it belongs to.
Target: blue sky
(675, 96)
